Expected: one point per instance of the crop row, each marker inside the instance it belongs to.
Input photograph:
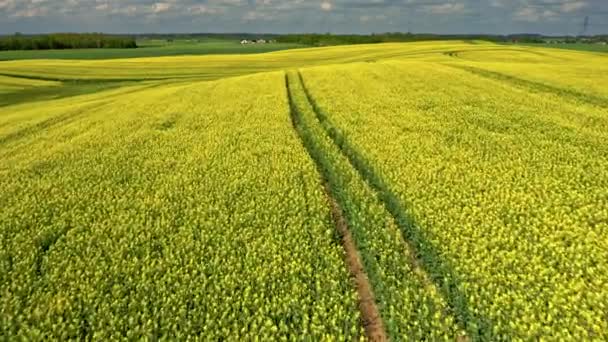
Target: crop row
(507, 186)
(176, 212)
(551, 70)
(410, 306)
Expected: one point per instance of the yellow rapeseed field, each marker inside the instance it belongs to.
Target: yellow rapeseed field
(507, 184)
(186, 198)
(12, 84)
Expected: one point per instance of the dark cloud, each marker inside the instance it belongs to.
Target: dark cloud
(360, 16)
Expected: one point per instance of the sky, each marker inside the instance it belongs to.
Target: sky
(297, 16)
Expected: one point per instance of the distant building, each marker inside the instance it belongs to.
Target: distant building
(254, 41)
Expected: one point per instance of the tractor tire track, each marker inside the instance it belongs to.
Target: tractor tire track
(372, 320)
(426, 257)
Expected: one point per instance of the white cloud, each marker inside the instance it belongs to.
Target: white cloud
(447, 8)
(534, 14)
(7, 4)
(201, 9)
(371, 18)
(441, 16)
(527, 14)
(160, 7)
(257, 15)
(572, 6)
(130, 10)
(30, 12)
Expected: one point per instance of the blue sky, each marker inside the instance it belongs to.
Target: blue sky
(280, 16)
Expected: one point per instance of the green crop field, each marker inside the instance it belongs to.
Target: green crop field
(433, 191)
(152, 48)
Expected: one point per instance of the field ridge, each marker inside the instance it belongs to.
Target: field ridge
(88, 80)
(534, 86)
(49, 123)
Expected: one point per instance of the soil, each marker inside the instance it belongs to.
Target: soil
(372, 321)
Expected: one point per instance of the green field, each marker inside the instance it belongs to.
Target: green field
(152, 48)
(433, 191)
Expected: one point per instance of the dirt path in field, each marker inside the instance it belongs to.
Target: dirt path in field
(372, 321)
(370, 315)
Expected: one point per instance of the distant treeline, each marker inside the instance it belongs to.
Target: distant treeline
(334, 39)
(66, 41)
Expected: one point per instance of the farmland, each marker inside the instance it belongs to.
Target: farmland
(420, 191)
(576, 46)
(152, 48)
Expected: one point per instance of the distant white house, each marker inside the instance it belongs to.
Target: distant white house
(255, 41)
